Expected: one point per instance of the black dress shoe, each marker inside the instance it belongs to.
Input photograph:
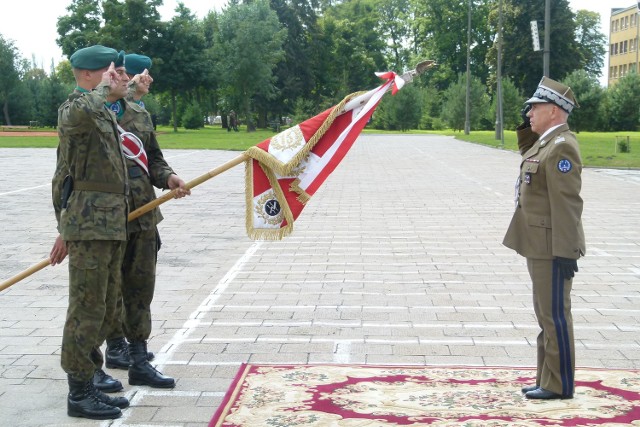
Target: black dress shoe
(543, 394)
(529, 388)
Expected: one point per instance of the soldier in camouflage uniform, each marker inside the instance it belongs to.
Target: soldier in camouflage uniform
(139, 268)
(92, 221)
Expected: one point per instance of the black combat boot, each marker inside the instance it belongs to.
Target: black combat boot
(82, 401)
(105, 382)
(118, 401)
(117, 354)
(140, 370)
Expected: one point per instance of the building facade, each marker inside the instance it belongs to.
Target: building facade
(623, 42)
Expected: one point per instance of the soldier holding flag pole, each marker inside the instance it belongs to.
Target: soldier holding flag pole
(91, 221)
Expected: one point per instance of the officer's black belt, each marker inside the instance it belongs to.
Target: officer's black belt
(102, 187)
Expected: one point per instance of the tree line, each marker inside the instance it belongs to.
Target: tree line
(269, 59)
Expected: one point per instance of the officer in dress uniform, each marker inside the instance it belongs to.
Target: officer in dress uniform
(91, 210)
(139, 269)
(546, 228)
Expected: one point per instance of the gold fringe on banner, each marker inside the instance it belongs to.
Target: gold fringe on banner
(272, 166)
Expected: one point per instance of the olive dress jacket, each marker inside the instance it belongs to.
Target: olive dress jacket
(547, 219)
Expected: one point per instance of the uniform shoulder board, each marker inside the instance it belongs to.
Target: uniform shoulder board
(559, 140)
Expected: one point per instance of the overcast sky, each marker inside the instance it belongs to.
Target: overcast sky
(34, 34)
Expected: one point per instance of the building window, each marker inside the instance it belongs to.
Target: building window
(624, 49)
(626, 22)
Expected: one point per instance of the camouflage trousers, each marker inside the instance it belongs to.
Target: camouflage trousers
(94, 276)
(133, 312)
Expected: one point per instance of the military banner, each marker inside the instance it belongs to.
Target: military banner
(284, 171)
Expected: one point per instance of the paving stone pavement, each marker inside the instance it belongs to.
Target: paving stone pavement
(396, 260)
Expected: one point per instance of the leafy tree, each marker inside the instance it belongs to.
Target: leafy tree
(131, 25)
(295, 74)
(10, 75)
(64, 73)
(441, 34)
(402, 111)
(590, 41)
(431, 109)
(623, 103)
(520, 61)
(178, 68)
(81, 27)
(193, 118)
(248, 47)
(393, 26)
(454, 107)
(511, 105)
(589, 94)
(354, 48)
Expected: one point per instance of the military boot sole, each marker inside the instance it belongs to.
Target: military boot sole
(112, 415)
(116, 364)
(139, 381)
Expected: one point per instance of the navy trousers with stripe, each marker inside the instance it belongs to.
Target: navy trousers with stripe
(552, 305)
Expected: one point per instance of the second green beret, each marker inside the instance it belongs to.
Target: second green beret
(136, 64)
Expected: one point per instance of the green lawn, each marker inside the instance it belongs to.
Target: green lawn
(599, 149)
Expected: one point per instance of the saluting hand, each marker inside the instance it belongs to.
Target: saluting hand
(110, 77)
(525, 115)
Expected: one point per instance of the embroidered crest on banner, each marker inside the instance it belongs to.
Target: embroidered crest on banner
(564, 166)
(268, 208)
(290, 139)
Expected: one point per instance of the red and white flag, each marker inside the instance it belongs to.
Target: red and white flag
(284, 171)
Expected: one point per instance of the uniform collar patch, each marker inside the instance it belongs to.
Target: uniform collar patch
(560, 139)
(115, 107)
(564, 166)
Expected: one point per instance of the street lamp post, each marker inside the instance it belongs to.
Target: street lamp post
(467, 111)
(499, 125)
(547, 37)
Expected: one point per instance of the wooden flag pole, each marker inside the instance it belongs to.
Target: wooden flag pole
(194, 182)
(135, 214)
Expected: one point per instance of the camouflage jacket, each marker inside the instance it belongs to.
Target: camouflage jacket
(89, 151)
(138, 121)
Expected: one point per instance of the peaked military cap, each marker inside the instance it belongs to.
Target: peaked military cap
(96, 57)
(136, 63)
(556, 93)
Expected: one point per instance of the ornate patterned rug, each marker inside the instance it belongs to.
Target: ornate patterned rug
(371, 396)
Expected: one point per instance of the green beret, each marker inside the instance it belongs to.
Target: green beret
(121, 59)
(96, 57)
(136, 64)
